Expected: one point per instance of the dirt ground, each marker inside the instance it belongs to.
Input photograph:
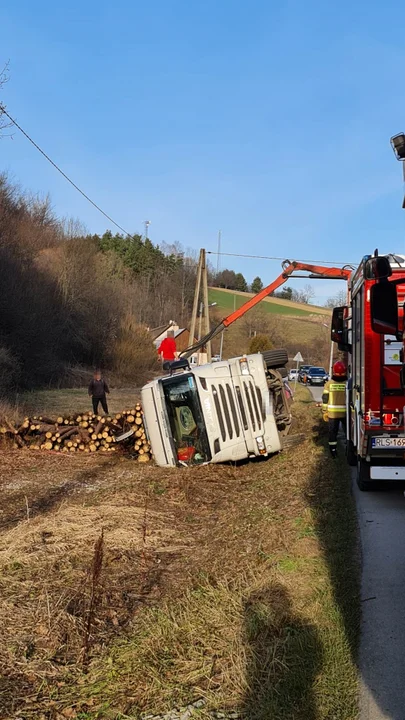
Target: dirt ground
(126, 588)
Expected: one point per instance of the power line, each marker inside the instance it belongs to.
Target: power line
(267, 257)
(4, 111)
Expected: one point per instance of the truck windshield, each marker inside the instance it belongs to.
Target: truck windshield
(186, 419)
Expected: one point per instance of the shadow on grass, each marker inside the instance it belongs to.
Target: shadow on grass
(330, 497)
(297, 671)
(285, 656)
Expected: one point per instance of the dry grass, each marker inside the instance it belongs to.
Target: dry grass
(73, 401)
(237, 584)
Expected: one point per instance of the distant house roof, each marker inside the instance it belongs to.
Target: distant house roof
(158, 331)
(157, 337)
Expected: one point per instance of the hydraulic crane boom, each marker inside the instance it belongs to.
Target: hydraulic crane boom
(289, 268)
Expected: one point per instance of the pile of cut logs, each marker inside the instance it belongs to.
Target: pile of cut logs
(86, 432)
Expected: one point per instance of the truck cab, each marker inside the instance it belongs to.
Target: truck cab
(223, 411)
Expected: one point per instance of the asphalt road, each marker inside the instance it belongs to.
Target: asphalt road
(381, 517)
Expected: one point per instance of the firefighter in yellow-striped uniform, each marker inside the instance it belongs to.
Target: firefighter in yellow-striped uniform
(334, 404)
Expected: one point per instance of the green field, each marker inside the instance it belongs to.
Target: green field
(229, 301)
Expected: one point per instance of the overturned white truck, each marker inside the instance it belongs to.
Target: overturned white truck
(229, 410)
(219, 412)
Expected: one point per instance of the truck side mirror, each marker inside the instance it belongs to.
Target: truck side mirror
(377, 268)
(339, 332)
(384, 308)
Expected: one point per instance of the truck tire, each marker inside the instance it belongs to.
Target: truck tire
(363, 475)
(275, 358)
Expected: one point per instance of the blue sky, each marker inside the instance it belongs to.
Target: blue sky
(269, 121)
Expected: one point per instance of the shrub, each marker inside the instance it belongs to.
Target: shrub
(134, 355)
(259, 343)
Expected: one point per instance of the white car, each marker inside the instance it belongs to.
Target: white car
(293, 374)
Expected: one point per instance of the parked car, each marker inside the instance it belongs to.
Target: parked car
(302, 371)
(316, 376)
(293, 374)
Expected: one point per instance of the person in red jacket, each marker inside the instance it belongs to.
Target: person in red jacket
(167, 349)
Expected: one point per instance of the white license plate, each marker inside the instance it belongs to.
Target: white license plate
(386, 442)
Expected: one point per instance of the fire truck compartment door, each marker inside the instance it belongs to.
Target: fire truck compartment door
(378, 472)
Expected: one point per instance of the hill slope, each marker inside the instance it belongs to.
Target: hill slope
(227, 300)
(290, 325)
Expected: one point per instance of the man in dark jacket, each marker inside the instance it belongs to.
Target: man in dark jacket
(98, 389)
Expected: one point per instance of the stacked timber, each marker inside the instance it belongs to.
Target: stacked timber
(86, 433)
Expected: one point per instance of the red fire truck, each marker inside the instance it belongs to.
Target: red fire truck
(368, 329)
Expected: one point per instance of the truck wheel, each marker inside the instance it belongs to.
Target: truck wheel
(363, 475)
(351, 453)
(275, 358)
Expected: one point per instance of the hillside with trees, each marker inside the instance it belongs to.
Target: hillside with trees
(70, 301)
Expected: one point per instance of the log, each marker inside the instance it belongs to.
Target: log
(93, 447)
(138, 421)
(65, 434)
(11, 429)
(131, 419)
(48, 445)
(98, 427)
(20, 442)
(143, 458)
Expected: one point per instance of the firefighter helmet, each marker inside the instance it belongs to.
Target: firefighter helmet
(339, 369)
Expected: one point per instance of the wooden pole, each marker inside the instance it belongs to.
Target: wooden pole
(196, 299)
(205, 300)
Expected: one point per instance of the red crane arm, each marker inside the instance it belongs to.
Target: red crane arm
(289, 268)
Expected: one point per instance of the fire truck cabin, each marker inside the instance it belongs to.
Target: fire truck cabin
(376, 398)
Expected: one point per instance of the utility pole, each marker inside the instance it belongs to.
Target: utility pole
(146, 223)
(196, 298)
(204, 271)
(201, 305)
(200, 319)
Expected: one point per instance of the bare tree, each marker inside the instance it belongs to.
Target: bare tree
(304, 296)
(5, 123)
(337, 300)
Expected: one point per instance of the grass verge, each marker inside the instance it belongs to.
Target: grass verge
(239, 585)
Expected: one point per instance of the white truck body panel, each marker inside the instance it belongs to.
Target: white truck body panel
(224, 409)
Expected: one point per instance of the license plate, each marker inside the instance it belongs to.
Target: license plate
(386, 442)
